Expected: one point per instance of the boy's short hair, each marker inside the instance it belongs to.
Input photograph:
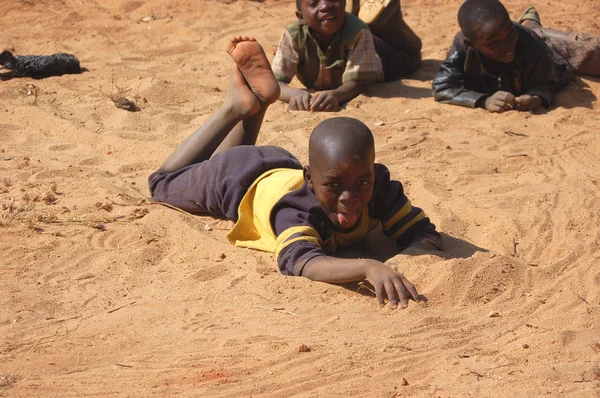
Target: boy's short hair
(341, 135)
(473, 14)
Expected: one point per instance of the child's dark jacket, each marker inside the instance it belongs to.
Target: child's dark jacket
(263, 190)
(464, 80)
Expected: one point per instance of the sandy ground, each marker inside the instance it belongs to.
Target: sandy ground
(104, 294)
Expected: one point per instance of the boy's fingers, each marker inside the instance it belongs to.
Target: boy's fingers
(390, 290)
(309, 99)
(379, 294)
(316, 102)
(306, 103)
(402, 293)
(410, 287)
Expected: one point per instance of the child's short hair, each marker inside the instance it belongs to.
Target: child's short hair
(473, 14)
(341, 135)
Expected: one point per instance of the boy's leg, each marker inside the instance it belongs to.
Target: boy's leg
(385, 20)
(578, 49)
(530, 18)
(396, 63)
(241, 113)
(352, 6)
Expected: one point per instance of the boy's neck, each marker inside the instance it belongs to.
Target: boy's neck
(323, 41)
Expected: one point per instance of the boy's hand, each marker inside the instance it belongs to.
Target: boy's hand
(324, 101)
(500, 101)
(300, 101)
(528, 102)
(388, 282)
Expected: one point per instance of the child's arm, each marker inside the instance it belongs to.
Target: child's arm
(449, 83)
(401, 221)
(541, 81)
(329, 100)
(299, 99)
(386, 281)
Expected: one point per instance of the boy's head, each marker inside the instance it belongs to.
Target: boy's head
(324, 17)
(486, 26)
(341, 170)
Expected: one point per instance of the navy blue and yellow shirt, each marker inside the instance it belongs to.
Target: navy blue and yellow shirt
(262, 189)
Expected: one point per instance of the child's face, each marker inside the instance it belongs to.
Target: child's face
(324, 17)
(497, 41)
(343, 187)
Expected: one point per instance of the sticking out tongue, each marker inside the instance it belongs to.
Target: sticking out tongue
(347, 220)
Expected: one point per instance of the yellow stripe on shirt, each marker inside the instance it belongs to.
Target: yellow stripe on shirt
(253, 228)
(403, 212)
(409, 224)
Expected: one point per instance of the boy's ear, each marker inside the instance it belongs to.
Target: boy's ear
(299, 16)
(468, 42)
(307, 177)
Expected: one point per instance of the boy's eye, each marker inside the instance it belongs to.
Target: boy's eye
(363, 183)
(332, 185)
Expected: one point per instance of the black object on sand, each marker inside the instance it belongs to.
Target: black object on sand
(39, 66)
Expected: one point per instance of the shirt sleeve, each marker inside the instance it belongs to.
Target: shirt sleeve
(401, 221)
(542, 79)
(285, 63)
(298, 239)
(363, 62)
(449, 83)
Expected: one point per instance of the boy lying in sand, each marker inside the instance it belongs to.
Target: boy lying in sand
(500, 65)
(334, 52)
(279, 206)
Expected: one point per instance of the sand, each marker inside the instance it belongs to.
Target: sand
(105, 294)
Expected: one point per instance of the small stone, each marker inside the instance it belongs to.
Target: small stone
(494, 314)
(303, 348)
(379, 123)
(525, 345)
(403, 382)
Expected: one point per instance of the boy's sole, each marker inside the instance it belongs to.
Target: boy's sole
(371, 10)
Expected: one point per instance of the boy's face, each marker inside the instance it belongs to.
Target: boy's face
(497, 41)
(324, 17)
(343, 186)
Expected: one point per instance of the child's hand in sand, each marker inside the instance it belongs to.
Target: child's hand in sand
(500, 101)
(300, 101)
(391, 283)
(527, 102)
(324, 101)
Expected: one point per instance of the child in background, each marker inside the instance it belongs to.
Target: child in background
(299, 213)
(334, 53)
(499, 65)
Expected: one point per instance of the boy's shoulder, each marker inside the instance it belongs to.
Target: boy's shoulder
(529, 39)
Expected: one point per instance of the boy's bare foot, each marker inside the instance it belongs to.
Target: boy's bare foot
(252, 61)
(240, 98)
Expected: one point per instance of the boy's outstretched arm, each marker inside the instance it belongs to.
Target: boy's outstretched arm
(321, 101)
(387, 282)
(299, 99)
(330, 100)
(449, 83)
